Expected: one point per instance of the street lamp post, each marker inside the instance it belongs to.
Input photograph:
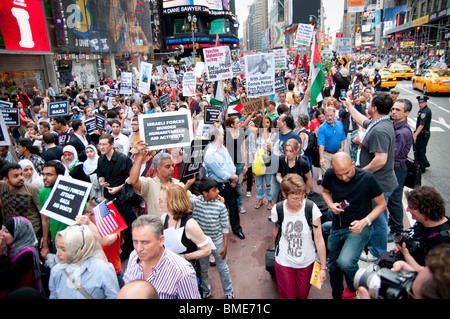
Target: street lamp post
(193, 21)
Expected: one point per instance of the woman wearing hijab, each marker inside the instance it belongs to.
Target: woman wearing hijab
(90, 169)
(19, 259)
(73, 166)
(83, 271)
(29, 173)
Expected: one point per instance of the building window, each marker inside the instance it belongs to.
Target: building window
(181, 26)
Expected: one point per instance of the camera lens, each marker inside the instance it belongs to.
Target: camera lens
(369, 280)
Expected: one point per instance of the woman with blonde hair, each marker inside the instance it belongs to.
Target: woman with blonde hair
(182, 233)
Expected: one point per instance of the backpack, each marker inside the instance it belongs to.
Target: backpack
(280, 214)
(312, 142)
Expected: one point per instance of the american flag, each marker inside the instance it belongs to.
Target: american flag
(108, 219)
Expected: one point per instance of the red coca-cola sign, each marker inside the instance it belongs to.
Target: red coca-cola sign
(23, 25)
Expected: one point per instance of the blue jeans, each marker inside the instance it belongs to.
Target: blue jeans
(345, 248)
(222, 268)
(379, 238)
(274, 188)
(239, 171)
(395, 204)
(259, 180)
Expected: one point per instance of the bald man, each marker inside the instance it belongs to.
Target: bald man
(138, 289)
(348, 192)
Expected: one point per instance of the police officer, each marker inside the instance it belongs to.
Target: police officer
(422, 133)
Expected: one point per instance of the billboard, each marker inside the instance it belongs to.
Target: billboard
(211, 4)
(23, 25)
(121, 26)
(302, 9)
(393, 17)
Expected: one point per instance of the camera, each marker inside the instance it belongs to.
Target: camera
(407, 236)
(385, 283)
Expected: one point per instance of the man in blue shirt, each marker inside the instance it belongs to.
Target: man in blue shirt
(330, 138)
(220, 167)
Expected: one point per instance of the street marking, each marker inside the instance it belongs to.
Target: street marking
(412, 123)
(429, 101)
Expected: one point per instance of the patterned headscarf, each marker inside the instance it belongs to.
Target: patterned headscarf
(80, 244)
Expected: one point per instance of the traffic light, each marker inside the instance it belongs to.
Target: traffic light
(418, 29)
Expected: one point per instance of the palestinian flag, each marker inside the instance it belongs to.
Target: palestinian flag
(237, 105)
(317, 74)
(215, 102)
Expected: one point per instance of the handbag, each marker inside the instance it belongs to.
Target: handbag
(258, 166)
(414, 176)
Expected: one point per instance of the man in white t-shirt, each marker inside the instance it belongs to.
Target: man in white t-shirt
(121, 141)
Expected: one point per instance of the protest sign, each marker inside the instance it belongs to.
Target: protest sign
(164, 101)
(211, 114)
(280, 59)
(58, 108)
(11, 116)
(166, 129)
(66, 200)
(189, 83)
(199, 67)
(126, 83)
(260, 74)
(251, 105)
(218, 64)
(280, 84)
(111, 92)
(192, 159)
(172, 76)
(344, 45)
(4, 135)
(6, 104)
(304, 34)
(100, 121)
(145, 74)
(90, 125)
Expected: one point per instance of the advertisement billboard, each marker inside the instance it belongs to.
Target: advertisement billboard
(393, 17)
(211, 4)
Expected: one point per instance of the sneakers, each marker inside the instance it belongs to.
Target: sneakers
(206, 294)
(230, 296)
(242, 210)
(347, 294)
(249, 194)
(368, 258)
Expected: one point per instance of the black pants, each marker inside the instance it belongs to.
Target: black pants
(231, 195)
(420, 150)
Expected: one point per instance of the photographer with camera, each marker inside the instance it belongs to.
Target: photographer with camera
(431, 229)
(405, 281)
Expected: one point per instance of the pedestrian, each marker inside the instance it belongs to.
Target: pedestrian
(422, 133)
(212, 216)
(19, 258)
(220, 167)
(83, 272)
(296, 250)
(28, 151)
(348, 192)
(172, 277)
(376, 154)
(403, 143)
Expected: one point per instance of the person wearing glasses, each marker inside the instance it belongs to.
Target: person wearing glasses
(296, 251)
(50, 226)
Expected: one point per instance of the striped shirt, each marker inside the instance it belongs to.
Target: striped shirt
(211, 216)
(172, 277)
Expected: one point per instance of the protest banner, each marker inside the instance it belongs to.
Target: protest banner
(58, 108)
(199, 67)
(304, 34)
(4, 135)
(211, 114)
(164, 101)
(218, 64)
(172, 77)
(126, 83)
(166, 129)
(189, 83)
(280, 59)
(260, 74)
(192, 159)
(11, 116)
(66, 200)
(145, 74)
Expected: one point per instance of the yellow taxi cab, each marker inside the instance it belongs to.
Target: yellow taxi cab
(401, 70)
(432, 81)
(387, 79)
